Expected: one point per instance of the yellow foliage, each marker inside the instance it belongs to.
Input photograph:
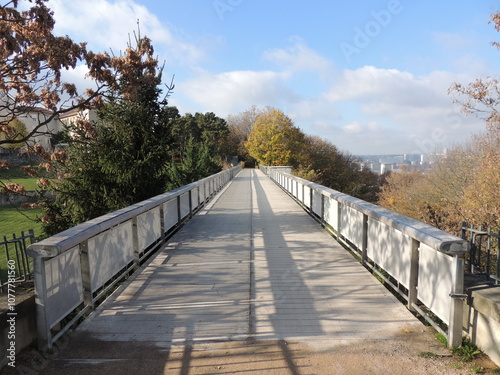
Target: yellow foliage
(274, 139)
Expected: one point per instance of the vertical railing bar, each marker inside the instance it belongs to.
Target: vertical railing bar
(457, 304)
(413, 277)
(190, 204)
(44, 334)
(488, 254)
(86, 274)
(364, 241)
(323, 224)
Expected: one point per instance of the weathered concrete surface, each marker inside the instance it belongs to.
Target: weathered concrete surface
(482, 319)
(252, 283)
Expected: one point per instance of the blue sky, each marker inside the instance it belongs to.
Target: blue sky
(370, 76)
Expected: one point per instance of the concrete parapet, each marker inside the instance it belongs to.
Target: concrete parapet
(23, 332)
(482, 319)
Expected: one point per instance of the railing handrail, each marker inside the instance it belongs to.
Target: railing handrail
(66, 240)
(92, 268)
(425, 233)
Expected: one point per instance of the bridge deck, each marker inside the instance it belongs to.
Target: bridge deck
(252, 267)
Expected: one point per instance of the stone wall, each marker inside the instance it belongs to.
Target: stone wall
(17, 199)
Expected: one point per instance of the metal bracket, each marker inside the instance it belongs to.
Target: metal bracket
(458, 296)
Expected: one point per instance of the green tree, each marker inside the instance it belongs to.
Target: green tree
(123, 158)
(275, 140)
(199, 161)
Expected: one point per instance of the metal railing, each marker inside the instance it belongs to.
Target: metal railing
(77, 268)
(423, 264)
(484, 255)
(15, 258)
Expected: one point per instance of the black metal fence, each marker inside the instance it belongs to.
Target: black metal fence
(484, 255)
(14, 263)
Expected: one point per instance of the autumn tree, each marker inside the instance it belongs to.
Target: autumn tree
(323, 163)
(32, 61)
(274, 139)
(240, 126)
(464, 186)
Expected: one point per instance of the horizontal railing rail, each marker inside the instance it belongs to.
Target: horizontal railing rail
(76, 268)
(426, 263)
(16, 265)
(484, 255)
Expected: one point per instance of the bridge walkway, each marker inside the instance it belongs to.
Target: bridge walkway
(252, 284)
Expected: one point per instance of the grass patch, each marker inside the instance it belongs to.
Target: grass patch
(14, 220)
(442, 339)
(467, 351)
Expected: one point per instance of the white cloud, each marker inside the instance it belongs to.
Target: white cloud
(353, 127)
(108, 25)
(232, 92)
(299, 57)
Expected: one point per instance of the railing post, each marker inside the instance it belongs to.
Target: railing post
(413, 279)
(323, 211)
(457, 304)
(497, 268)
(303, 194)
(44, 334)
(86, 279)
(311, 195)
(162, 223)
(364, 241)
(135, 243)
(179, 214)
(190, 204)
(339, 220)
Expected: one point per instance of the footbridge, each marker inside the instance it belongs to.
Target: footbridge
(245, 256)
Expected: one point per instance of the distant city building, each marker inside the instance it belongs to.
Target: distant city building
(380, 164)
(32, 116)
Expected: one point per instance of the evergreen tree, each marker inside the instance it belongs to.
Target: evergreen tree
(123, 158)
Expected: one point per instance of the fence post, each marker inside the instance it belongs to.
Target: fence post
(457, 303)
(190, 204)
(44, 335)
(135, 243)
(413, 281)
(179, 214)
(86, 279)
(364, 241)
(339, 219)
(162, 222)
(323, 224)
